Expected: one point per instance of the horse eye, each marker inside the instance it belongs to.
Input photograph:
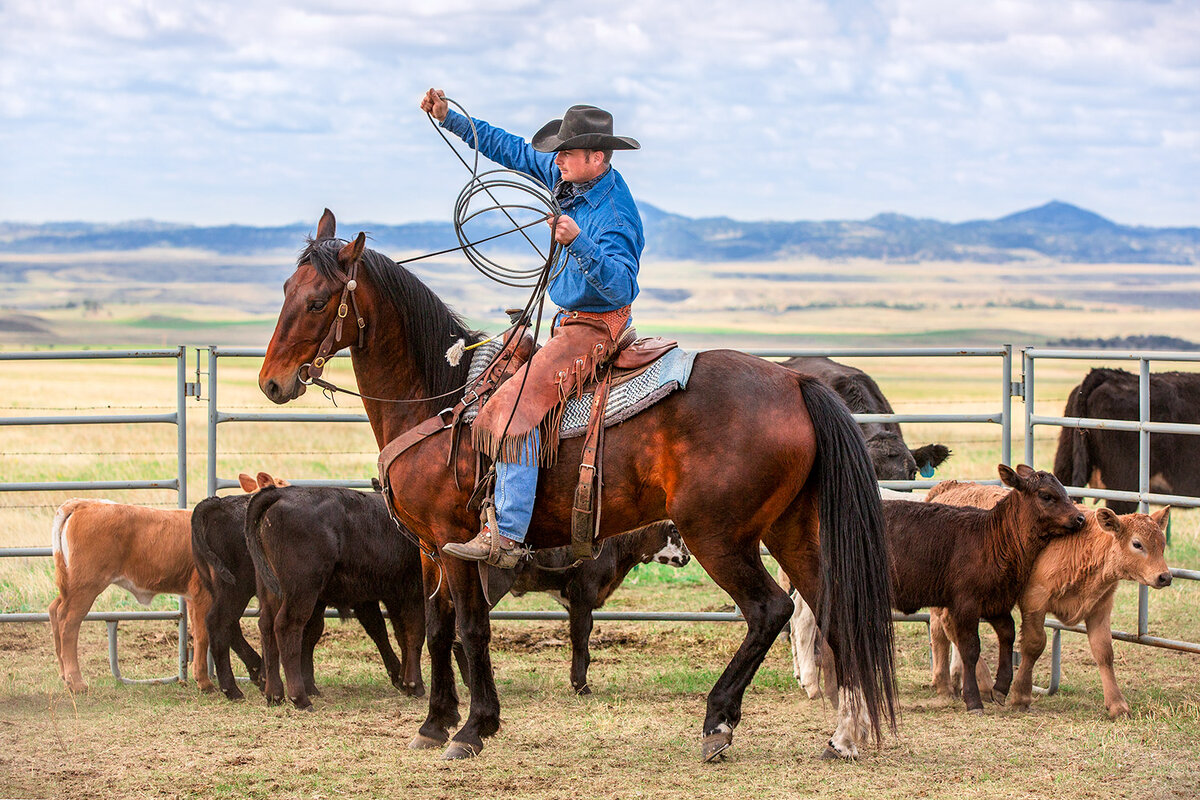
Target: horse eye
(317, 305)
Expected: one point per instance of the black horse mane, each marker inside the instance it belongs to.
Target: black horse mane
(430, 326)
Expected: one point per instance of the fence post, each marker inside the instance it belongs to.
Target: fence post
(1006, 407)
(212, 420)
(1143, 478)
(1027, 363)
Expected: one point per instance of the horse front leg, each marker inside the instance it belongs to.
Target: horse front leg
(439, 635)
(475, 632)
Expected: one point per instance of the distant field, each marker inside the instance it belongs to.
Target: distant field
(638, 735)
(169, 296)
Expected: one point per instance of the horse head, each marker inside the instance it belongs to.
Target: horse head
(322, 313)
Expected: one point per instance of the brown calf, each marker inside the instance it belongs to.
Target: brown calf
(976, 562)
(1075, 578)
(148, 551)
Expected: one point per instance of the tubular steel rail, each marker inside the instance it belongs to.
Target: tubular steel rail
(1001, 417)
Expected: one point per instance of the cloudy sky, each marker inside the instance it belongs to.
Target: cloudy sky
(263, 113)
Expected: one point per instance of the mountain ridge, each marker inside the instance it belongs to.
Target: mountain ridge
(1056, 230)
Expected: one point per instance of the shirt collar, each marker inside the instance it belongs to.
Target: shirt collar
(565, 191)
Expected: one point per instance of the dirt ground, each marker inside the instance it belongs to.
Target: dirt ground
(637, 736)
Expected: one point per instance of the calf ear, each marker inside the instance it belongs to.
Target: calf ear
(1009, 477)
(264, 480)
(350, 253)
(931, 454)
(1024, 470)
(327, 227)
(1108, 520)
(1162, 517)
(247, 482)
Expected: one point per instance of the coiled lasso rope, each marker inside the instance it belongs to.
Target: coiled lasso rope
(542, 203)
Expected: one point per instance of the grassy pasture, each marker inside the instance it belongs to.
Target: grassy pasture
(636, 737)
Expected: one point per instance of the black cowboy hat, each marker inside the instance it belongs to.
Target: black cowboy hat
(581, 128)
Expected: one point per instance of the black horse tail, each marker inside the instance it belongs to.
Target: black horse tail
(262, 500)
(856, 580)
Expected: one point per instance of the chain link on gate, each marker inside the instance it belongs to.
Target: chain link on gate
(1023, 388)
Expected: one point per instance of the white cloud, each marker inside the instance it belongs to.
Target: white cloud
(254, 111)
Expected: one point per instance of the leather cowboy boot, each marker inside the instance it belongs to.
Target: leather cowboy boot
(494, 548)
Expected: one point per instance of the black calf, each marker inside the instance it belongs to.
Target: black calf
(585, 588)
(316, 547)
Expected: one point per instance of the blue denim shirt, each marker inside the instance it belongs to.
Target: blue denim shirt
(602, 263)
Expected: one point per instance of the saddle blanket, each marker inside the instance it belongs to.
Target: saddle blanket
(664, 376)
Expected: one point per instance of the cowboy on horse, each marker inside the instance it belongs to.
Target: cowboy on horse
(601, 236)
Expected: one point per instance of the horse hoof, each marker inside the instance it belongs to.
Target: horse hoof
(829, 754)
(235, 695)
(460, 750)
(713, 746)
(423, 742)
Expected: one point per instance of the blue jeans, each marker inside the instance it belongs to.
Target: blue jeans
(516, 489)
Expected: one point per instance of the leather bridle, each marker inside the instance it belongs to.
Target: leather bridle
(312, 370)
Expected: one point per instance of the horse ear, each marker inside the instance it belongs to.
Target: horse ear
(327, 227)
(1109, 521)
(1009, 477)
(351, 252)
(1162, 517)
(247, 483)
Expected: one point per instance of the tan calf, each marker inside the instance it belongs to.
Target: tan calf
(1075, 578)
(148, 551)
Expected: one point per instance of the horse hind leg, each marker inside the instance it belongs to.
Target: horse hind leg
(733, 562)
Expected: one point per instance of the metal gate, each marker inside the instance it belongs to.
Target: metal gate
(216, 417)
(178, 418)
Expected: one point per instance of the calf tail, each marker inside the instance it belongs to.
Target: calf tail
(856, 582)
(59, 546)
(204, 552)
(259, 505)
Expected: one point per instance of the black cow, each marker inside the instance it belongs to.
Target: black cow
(318, 547)
(585, 588)
(1105, 459)
(226, 569)
(892, 458)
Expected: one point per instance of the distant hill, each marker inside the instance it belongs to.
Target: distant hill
(1057, 230)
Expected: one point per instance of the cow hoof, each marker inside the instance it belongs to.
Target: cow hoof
(583, 690)
(274, 701)
(77, 687)
(235, 695)
(998, 698)
(830, 754)
(423, 742)
(460, 750)
(713, 746)
(978, 712)
(1119, 710)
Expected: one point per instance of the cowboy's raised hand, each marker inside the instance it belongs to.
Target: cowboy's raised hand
(565, 231)
(434, 102)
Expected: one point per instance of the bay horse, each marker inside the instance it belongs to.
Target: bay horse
(750, 452)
